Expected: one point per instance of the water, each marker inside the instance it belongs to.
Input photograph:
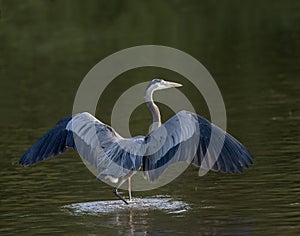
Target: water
(252, 51)
(158, 202)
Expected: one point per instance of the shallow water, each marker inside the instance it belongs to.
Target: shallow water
(159, 202)
(252, 51)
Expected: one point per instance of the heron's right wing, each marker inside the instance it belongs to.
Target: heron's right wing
(99, 145)
(50, 144)
(103, 148)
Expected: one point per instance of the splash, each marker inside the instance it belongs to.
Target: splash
(159, 202)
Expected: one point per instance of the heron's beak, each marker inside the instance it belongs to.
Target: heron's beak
(173, 84)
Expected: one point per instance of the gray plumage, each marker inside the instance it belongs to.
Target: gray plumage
(185, 137)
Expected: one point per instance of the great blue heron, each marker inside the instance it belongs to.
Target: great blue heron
(184, 137)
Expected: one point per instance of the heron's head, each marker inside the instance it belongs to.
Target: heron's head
(159, 84)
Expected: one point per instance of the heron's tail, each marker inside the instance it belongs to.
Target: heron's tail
(51, 144)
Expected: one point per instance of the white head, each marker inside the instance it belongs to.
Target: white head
(159, 84)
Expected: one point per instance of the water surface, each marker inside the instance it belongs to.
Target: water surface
(251, 49)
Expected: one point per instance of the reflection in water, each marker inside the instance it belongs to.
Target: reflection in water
(129, 219)
(143, 215)
(130, 224)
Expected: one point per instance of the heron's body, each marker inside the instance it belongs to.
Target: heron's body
(184, 137)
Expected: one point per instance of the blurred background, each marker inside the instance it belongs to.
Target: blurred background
(251, 48)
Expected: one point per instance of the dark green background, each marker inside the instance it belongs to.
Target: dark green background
(252, 49)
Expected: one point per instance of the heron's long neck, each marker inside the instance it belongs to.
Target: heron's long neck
(154, 110)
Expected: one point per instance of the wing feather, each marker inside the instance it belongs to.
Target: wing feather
(98, 144)
(51, 144)
(193, 139)
(185, 137)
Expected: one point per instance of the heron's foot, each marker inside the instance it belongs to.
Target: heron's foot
(115, 191)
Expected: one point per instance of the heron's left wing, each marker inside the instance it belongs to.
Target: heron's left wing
(193, 139)
(174, 141)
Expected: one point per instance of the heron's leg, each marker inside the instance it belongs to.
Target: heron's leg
(127, 177)
(129, 188)
(115, 191)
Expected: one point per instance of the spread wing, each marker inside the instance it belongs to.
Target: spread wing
(98, 144)
(193, 139)
(186, 137)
